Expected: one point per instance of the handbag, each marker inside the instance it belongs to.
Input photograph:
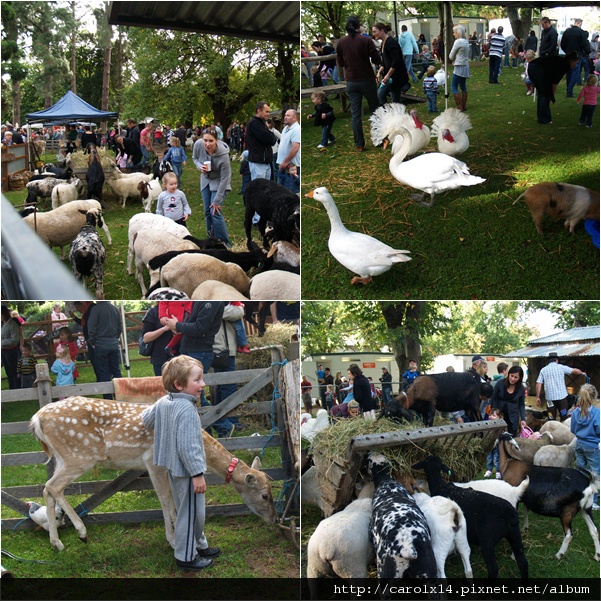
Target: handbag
(145, 348)
(221, 360)
(527, 432)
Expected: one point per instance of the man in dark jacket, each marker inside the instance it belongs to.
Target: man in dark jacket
(548, 38)
(133, 131)
(386, 380)
(574, 39)
(259, 141)
(545, 73)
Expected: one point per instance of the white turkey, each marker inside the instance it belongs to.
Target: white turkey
(362, 254)
(431, 173)
(390, 118)
(449, 129)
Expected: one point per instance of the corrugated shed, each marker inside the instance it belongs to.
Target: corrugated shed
(273, 21)
(575, 342)
(571, 335)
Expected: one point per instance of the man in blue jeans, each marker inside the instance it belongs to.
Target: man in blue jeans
(289, 153)
(574, 39)
(199, 332)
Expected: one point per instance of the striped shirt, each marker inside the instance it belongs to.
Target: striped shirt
(430, 84)
(497, 42)
(26, 366)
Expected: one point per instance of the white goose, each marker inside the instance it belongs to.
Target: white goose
(431, 173)
(449, 128)
(386, 121)
(360, 253)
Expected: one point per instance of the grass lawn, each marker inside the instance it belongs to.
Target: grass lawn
(119, 285)
(474, 243)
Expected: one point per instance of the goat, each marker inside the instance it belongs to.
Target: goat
(499, 488)
(395, 410)
(561, 201)
(125, 185)
(553, 491)
(284, 256)
(159, 168)
(448, 530)
(398, 529)
(488, 518)
(149, 192)
(553, 455)
(43, 188)
(560, 432)
(449, 391)
(535, 419)
(530, 446)
(275, 203)
(95, 178)
(81, 433)
(87, 253)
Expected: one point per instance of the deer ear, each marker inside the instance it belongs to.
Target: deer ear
(256, 464)
(250, 480)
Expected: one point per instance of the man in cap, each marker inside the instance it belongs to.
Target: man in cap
(553, 378)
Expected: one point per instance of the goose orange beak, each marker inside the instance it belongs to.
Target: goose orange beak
(386, 143)
(310, 194)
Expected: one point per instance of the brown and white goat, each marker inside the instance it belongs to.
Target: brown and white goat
(561, 201)
(81, 433)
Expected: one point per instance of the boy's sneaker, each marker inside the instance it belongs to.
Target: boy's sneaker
(208, 552)
(498, 476)
(595, 506)
(320, 146)
(195, 565)
(487, 473)
(243, 349)
(580, 123)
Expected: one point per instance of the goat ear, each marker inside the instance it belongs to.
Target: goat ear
(256, 464)
(271, 251)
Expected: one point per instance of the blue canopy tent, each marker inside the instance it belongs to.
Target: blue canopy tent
(69, 108)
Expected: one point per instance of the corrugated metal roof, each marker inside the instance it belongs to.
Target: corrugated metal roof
(563, 350)
(273, 21)
(571, 335)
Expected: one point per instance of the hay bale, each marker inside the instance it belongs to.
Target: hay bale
(79, 160)
(463, 454)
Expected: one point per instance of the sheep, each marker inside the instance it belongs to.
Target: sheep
(275, 285)
(125, 185)
(148, 243)
(186, 272)
(310, 490)
(214, 290)
(561, 201)
(284, 256)
(60, 226)
(87, 253)
(499, 488)
(275, 203)
(557, 455)
(560, 432)
(448, 530)
(535, 419)
(95, 178)
(154, 222)
(398, 528)
(64, 193)
(43, 188)
(340, 544)
(553, 491)
(489, 519)
(149, 192)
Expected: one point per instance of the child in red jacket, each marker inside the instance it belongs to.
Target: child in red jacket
(180, 310)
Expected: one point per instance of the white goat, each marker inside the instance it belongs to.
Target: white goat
(448, 530)
(150, 191)
(499, 488)
(125, 185)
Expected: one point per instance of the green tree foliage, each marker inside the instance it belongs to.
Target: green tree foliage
(569, 314)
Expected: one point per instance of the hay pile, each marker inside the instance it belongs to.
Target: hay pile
(464, 455)
(79, 160)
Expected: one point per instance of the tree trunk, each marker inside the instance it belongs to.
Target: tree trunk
(16, 102)
(119, 74)
(73, 57)
(106, 78)
(521, 21)
(286, 72)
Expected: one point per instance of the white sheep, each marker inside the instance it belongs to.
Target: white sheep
(64, 193)
(147, 244)
(448, 530)
(214, 290)
(557, 455)
(125, 185)
(159, 223)
(561, 433)
(310, 490)
(340, 544)
(60, 226)
(187, 271)
(150, 191)
(499, 488)
(275, 285)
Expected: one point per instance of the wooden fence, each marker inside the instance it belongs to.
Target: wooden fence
(284, 408)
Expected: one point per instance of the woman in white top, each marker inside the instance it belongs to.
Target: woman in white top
(461, 68)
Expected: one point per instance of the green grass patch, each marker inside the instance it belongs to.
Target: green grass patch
(117, 283)
(474, 243)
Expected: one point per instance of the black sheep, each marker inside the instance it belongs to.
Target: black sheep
(274, 203)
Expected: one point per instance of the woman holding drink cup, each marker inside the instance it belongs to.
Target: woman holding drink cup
(211, 157)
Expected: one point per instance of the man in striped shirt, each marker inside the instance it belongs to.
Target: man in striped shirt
(497, 42)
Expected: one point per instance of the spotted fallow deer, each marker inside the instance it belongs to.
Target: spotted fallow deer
(81, 433)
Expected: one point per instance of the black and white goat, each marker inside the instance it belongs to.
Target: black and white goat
(553, 491)
(398, 530)
(489, 519)
(87, 253)
(159, 168)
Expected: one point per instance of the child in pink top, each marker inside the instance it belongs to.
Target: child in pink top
(588, 95)
(179, 309)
